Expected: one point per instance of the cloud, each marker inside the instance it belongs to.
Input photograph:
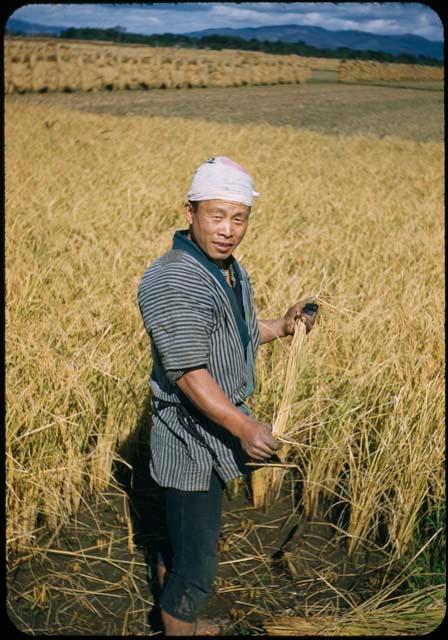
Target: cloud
(383, 18)
(232, 14)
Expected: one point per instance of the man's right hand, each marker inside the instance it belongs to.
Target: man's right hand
(257, 440)
(201, 389)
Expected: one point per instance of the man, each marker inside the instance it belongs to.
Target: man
(197, 306)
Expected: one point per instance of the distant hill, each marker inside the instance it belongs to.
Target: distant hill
(316, 37)
(325, 39)
(31, 28)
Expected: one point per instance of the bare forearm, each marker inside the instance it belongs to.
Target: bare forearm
(199, 387)
(271, 329)
(255, 437)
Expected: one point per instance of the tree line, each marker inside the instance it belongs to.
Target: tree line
(217, 43)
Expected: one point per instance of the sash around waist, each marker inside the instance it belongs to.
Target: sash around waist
(185, 412)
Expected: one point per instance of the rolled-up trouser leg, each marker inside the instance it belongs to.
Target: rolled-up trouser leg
(194, 522)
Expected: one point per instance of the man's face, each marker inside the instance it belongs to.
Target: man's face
(218, 226)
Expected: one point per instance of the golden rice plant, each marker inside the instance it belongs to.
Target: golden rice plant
(265, 482)
(92, 199)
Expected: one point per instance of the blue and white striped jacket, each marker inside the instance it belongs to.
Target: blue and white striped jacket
(193, 319)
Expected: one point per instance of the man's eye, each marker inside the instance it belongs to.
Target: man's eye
(217, 217)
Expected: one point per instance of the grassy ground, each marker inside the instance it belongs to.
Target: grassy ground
(323, 106)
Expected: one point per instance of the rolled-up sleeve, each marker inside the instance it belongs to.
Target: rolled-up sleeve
(180, 325)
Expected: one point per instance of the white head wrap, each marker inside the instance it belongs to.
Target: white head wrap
(220, 178)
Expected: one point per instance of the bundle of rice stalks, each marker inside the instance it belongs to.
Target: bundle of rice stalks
(414, 614)
(353, 70)
(266, 482)
(327, 64)
(20, 76)
(50, 64)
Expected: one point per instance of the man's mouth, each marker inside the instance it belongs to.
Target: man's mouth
(223, 246)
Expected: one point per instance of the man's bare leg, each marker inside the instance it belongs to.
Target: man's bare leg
(175, 627)
(161, 574)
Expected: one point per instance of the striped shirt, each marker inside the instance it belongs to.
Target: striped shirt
(193, 319)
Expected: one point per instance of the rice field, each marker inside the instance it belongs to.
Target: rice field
(357, 221)
(413, 112)
(46, 64)
(355, 70)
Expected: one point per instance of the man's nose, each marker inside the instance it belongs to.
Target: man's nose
(226, 228)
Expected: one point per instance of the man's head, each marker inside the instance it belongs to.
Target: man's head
(217, 226)
(218, 207)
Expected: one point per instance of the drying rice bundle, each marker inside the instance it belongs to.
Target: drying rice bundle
(191, 75)
(245, 74)
(55, 65)
(44, 69)
(257, 75)
(71, 78)
(122, 78)
(146, 72)
(157, 80)
(111, 76)
(326, 64)
(216, 76)
(301, 73)
(7, 77)
(89, 72)
(354, 70)
(165, 75)
(21, 77)
(265, 72)
(150, 70)
(266, 482)
(136, 73)
(69, 70)
(199, 73)
(179, 74)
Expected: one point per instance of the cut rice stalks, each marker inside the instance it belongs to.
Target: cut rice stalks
(410, 614)
(266, 482)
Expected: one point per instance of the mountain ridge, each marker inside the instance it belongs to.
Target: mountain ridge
(326, 39)
(14, 24)
(314, 36)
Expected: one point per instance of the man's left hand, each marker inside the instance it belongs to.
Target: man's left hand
(296, 313)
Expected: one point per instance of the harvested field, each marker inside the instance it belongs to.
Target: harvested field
(94, 191)
(324, 107)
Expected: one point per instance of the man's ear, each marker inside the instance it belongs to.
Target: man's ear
(189, 212)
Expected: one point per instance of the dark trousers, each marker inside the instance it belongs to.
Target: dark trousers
(193, 520)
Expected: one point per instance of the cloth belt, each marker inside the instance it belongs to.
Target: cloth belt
(187, 422)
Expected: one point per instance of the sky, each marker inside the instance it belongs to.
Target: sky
(387, 18)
